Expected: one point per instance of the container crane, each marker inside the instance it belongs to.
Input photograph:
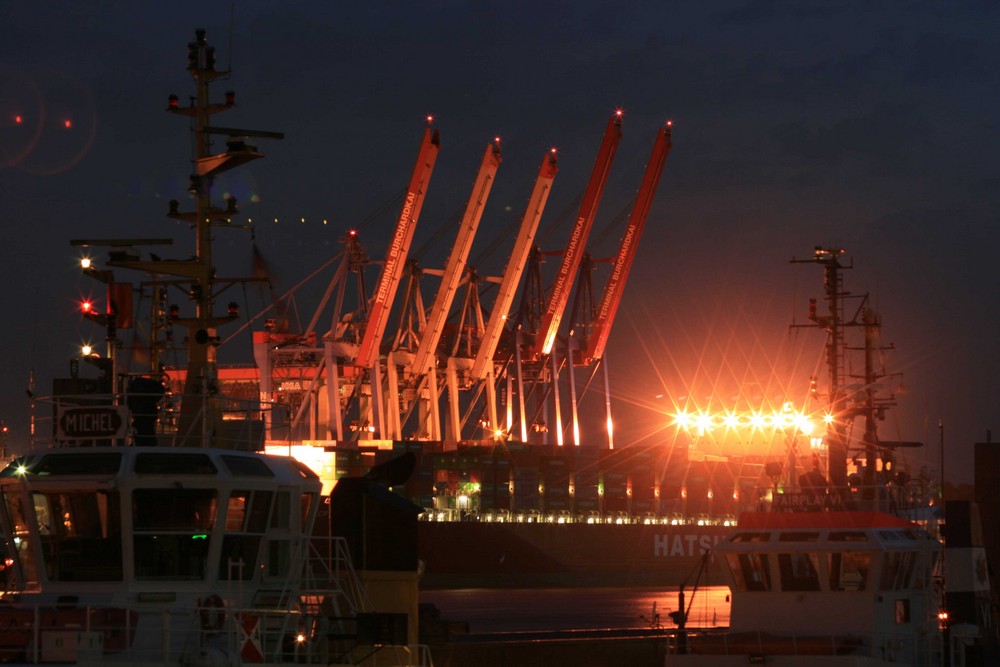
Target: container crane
(556, 304)
(482, 365)
(605, 315)
(540, 317)
(423, 367)
(588, 338)
(380, 304)
(399, 247)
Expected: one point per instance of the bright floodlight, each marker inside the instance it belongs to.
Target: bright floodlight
(704, 422)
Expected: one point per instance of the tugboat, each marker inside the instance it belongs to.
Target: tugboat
(143, 536)
(844, 568)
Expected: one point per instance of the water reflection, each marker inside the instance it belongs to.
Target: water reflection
(525, 610)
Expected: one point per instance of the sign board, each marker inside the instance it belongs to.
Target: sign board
(807, 502)
(90, 422)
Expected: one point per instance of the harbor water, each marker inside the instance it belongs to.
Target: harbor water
(560, 609)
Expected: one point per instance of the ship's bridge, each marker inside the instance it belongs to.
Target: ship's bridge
(153, 521)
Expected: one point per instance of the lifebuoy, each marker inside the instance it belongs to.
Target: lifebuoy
(213, 613)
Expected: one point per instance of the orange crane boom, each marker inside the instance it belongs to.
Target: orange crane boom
(399, 248)
(515, 265)
(626, 252)
(559, 296)
(423, 362)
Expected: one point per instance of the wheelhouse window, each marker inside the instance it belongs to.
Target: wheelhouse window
(172, 529)
(247, 516)
(162, 463)
(23, 548)
(91, 463)
(849, 570)
(80, 533)
(750, 571)
(799, 571)
(897, 570)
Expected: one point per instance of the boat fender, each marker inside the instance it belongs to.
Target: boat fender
(213, 613)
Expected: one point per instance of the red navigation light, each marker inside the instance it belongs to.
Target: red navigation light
(67, 123)
(18, 119)
(353, 232)
(670, 123)
(619, 112)
(553, 150)
(172, 102)
(87, 306)
(430, 119)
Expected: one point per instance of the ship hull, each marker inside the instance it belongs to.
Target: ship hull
(472, 554)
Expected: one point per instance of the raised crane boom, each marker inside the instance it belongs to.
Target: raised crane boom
(626, 252)
(556, 305)
(515, 265)
(399, 248)
(423, 361)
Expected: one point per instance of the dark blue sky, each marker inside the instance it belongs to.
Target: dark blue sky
(870, 127)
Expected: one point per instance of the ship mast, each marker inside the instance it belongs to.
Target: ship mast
(833, 324)
(845, 402)
(200, 422)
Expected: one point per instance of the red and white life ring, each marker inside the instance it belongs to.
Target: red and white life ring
(213, 613)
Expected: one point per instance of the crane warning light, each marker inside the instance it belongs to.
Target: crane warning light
(430, 119)
(172, 102)
(619, 112)
(67, 123)
(670, 123)
(87, 306)
(18, 119)
(85, 262)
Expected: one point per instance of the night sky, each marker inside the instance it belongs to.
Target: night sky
(870, 127)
